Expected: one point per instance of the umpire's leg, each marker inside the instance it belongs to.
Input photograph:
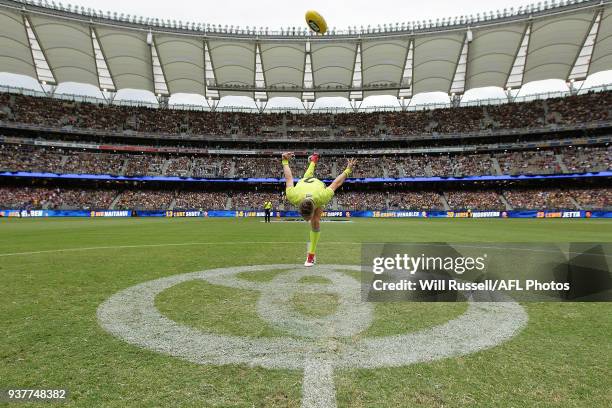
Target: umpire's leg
(310, 170)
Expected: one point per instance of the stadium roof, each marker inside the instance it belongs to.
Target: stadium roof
(568, 40)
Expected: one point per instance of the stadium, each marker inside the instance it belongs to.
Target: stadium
(139, 267)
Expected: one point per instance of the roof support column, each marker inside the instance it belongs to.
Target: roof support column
(109, 96)
(404, 102)
(582, 63)
(308, 95)
(48, 89)
(163, 101)
(405, 92)
(307, 105)
(209, 78)
(259, 80)
(105, 80)
(515, 77)
(355, 104)
(357, 81)
(455, 100)
(458, 84)
(573, 87)
(44, 73)
(261, 105)
(212, 103)
(160, 85)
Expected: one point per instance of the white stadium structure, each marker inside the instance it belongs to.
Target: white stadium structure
(54, 43)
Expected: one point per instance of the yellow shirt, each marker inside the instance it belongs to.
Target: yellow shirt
(310, 188)
(268, 205)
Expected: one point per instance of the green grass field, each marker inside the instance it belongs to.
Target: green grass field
(56, 272)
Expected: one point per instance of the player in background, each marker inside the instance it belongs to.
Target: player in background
(311, 195)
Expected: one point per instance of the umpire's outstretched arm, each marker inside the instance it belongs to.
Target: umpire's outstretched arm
(287, 169)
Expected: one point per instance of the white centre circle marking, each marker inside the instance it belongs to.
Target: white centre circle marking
(319, 344)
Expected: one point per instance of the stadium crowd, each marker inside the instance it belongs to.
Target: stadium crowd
(254, 200)
(544, 200)
(145, 200)
(196, 200)
(593, 199)
(469, 200)
(51, 112)
(29, 158)
(425, 200)
(369, 200)
(55, 198)
(64, 198)
(93, 163)
(587, 159)
(529, 162)
(53, 160)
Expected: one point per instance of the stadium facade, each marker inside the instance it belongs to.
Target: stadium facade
(54, 43)
(542, 158)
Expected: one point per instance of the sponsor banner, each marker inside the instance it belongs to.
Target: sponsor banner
(346, 214)
(559, 214)
(221, 214)
(392, 214)
(295, 214)
(139, 213)
(437, 214)
(247, 214)
(15, 213)
(597, 214)
(185, 214)
(476, 214)
(27, 213)
(106, 213)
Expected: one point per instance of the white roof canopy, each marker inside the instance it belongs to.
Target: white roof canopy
(67, 47)
(15, 54)
(383, 63)
(554, 45)
(283, 67)
(182, 59)
(602, 52)
(491, 54)
(332, 67)
(565, 41)
(128, 57)
(435, 61)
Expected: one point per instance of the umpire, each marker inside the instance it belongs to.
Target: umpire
(268, 209)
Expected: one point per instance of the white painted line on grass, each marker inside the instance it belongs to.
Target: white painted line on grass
(318, 390)
(455, 245)
(317, 346)
(50, 251)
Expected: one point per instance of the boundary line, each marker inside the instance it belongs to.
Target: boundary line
(168, 245)
(457, 245)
